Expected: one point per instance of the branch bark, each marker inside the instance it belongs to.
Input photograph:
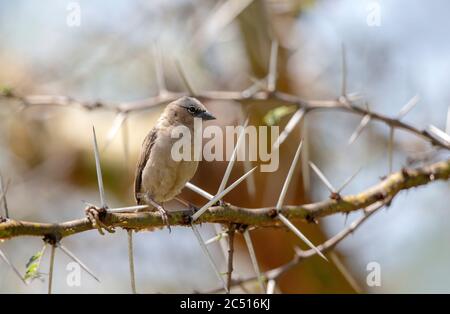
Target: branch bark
(261, 217)
(345, 103)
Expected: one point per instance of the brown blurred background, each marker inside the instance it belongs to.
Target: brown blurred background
(46, 151)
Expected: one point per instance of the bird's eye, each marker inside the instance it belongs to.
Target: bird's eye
(191, 109)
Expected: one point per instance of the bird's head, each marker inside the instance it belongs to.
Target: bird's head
(185, 109)
(194, 108)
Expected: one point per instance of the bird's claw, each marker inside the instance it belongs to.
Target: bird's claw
(95, 215)
(165, 216)
(164, 213)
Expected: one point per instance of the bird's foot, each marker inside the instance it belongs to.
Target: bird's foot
(164, 213)
(165, 216)
(95, 216)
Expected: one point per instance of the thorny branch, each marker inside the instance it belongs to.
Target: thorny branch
(264, 217)
(369, 200)
(345, 103)
(325, 247)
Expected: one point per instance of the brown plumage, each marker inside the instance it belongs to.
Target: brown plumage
(158, 176)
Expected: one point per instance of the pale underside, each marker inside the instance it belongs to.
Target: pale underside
(163, 178)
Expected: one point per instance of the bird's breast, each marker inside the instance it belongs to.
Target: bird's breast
(163, 176)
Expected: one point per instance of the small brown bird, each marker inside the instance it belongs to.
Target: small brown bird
(159, 178)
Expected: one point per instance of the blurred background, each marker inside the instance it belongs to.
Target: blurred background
(395, 50)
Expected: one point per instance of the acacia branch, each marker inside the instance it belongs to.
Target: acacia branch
(261, 217)
(300, 255)
(345, 103)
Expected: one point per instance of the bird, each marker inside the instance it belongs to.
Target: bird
(159, 177)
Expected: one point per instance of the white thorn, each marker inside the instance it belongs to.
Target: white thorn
(131, 261)
(8, 262)
(77, 260)
(219, 196)
(364, 121)
(224, 181)
(322, 177)
(344, 271)
(440, 134)
(50, 271)
(289, 177)
(350, 179)
(271, 286)
(99, 172)
(408, 106)
(254, 88)
(251, 251)
(208, 255)
(297, 232)
(117, 123)
(126, 209)
(293, 121)
(199, 191)
(219, 236)
(272, 76)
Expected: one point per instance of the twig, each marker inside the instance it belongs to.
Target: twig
(208, 255)
(391, 149)
(50, 272)
(231, 233)
(345, 272)
(279, 205)
(184, 78)
(131, 261)
(262, 217)
(221, 239)
(328, 245)
(258, 97)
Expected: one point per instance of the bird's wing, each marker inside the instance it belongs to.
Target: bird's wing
(145, 154)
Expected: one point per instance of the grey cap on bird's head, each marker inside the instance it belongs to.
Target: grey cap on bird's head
(195, 108)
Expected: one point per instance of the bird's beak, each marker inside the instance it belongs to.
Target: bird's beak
(206, 116)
